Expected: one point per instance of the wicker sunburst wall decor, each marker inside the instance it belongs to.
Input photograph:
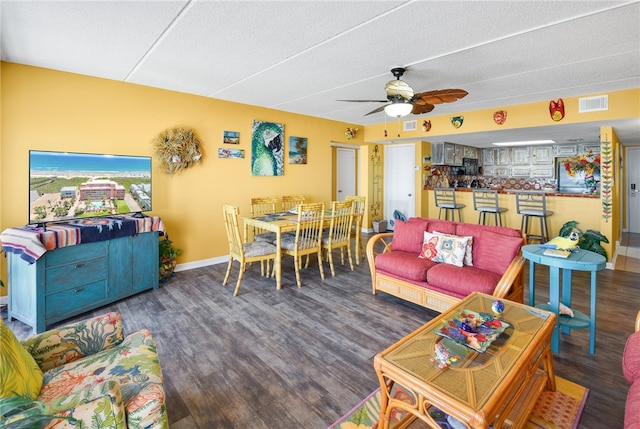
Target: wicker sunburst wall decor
(177, 148)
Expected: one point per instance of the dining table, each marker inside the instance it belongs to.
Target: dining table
(280, 223)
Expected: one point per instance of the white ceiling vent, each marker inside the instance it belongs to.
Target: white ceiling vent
(409, 125)
(593, 104)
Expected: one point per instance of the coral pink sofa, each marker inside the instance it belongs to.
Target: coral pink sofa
(497, 264)
(631, 369)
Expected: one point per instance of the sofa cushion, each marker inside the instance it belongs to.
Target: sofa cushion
(448, 249)
(632, 407)
(407, 236)
(20, 375)
(404, 264)
(468, 253)
(133, 364)
(494, 252)
(443, 226)
(462, 280)
(631, 358)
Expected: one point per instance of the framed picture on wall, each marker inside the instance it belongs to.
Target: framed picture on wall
(231, 137)
(230, 153)
(297, 150)
(267, 149)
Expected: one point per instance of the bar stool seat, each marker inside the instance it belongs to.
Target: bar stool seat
(446, 200)
(486, 201)
(533, 204)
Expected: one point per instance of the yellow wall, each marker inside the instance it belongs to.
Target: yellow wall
(51, 110)
(622, 105)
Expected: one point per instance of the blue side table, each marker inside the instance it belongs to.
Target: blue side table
(582, 260)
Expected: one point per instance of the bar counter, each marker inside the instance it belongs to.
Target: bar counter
(586, 209)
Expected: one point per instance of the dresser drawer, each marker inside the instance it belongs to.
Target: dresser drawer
(73, 301)
(74, 274)
(65, 255)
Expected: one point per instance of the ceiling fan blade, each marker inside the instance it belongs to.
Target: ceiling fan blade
(379, 109)
(441, 96)
(366, 101)
(420, 108)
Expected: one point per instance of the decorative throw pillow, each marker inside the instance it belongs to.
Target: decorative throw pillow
(444, 248)
(468, 254)
(20, 375)
(407, 236)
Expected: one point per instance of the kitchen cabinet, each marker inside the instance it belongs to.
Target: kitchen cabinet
(437, 153)
(520, 156)
(502, 156)
(453, 154)
(521, 171)
(71, 280)
(488, 157)
(470, 152)
(542, 155)
(542, 171)
(566, 150)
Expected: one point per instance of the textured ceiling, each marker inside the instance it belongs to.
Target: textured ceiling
(303, 56)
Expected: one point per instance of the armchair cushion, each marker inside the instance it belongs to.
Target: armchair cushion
(20, 375)
(72, 342)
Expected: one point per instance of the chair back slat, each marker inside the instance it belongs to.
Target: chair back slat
(309, 227)
(233, 231)
(485, 198)
(531, 201)
(444, 196)
(341, 222)
(291, 201)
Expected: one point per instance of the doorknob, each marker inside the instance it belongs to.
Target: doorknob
(409, 195)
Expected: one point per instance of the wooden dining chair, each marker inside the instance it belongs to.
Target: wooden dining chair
(263, 206)
(244, 252)
(338, 235)
(307, 239)
(291, 201)
(359, 209)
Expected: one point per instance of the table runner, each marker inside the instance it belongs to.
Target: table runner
(31, 242)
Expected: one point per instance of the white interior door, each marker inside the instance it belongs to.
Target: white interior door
(632, 161)
(399, 181)
(346, 173)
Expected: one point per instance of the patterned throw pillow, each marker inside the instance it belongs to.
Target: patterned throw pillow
(468, 254)
(20, 375)
(447, 249)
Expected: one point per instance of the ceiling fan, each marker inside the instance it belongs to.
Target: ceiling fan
(404, 100)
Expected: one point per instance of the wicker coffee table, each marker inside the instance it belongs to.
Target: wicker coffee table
(497, 387)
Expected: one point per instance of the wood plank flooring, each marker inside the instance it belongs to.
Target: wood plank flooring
(302, 357)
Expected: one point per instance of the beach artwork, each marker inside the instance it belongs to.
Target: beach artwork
(231, 137)
(230, 153)
(267, 149)
(64, 185)
(297, 150)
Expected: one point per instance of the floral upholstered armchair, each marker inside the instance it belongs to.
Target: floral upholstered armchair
(87, 372)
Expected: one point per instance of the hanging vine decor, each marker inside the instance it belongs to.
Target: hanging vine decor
(606, 179)
(177, 148)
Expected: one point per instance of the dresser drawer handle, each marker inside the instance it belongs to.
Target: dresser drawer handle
(80, 289)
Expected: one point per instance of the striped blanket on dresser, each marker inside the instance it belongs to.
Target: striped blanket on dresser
(31, 242)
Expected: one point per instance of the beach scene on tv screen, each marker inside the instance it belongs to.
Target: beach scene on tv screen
(75, 185)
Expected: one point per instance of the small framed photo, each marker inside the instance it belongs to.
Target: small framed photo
(230, 153)
(297, 150)
(231, 137)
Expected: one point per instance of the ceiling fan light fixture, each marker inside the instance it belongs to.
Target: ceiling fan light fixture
(398, 110)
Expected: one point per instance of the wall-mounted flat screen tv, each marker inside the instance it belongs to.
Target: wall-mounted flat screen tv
(66, 185)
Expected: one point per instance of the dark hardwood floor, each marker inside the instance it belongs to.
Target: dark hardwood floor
(300, 358)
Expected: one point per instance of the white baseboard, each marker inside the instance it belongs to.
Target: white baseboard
(202, 263)
(4, 300)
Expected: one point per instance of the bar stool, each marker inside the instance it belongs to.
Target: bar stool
(533, 204)
(486, 201)
(446, 199)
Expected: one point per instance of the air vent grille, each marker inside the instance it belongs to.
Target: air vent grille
(593, 104)
(409, 125)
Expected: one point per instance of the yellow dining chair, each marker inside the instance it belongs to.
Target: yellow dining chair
(338, 236)
(263, 206)
(291, 201)
(359, 209)
(244, 252)
(307, 239)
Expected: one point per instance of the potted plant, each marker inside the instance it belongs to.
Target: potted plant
(167, 258)
(589, 240)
